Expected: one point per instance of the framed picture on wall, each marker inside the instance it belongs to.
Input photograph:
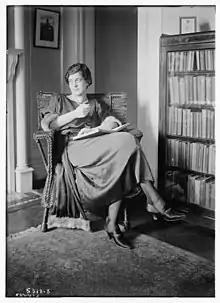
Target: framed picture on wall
(187, 25)
(47, 25)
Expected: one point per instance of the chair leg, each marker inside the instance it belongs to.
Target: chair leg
(44, 226)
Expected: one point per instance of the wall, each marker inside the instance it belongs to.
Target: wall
(46, 67)
(205, 18)
(10, 27)
(43, 70)
(116, 53)
(78, 40)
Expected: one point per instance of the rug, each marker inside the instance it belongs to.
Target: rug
(62, 263)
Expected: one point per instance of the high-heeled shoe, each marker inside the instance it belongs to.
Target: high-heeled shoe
(117, 236)
(172, 215)
(153, 211)
(169, 215)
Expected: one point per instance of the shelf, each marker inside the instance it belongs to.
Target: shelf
(193, 73)
(190, 139)
(193, 106)
(189, 171)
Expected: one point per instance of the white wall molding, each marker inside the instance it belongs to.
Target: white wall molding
(149, 31)
(23, 172)
(12, 60)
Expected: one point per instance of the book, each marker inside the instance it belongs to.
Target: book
(197, 60)
(177, 61)
(184, 126)
(190, 89)
(204, 119)
(99, 131)
(192, 61)
(213, 90)
(203, 85)
(179, 121)
(181, 69)
(208, 88)
(171, 90)
(205, 158)
(182, 90)
(202, 59)
(212, 198)
(176, 89)
(195, 90)
(197, 193)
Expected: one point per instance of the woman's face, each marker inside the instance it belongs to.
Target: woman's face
(77, 84)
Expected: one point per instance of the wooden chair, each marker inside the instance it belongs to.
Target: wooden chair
(118, 106)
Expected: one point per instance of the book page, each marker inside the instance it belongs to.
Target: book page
(99, 131)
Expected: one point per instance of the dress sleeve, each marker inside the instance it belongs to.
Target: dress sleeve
(50, 112)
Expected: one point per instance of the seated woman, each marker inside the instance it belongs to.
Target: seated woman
(106, 167)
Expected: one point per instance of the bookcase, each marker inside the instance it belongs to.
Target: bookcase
(186, 149)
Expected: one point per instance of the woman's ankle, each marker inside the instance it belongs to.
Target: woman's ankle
(152, 209)
(110, 224)
(153, 196)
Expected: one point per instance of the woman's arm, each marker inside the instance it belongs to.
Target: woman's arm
(80, 112)
(110, 122)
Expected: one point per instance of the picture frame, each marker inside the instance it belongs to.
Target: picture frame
(187, 25)
(47, 28)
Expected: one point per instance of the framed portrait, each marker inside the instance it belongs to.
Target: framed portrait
(47, 25)
(187, 25)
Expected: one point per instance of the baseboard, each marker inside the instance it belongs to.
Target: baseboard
(198, 215)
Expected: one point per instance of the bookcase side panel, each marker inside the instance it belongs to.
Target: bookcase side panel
(162, 118)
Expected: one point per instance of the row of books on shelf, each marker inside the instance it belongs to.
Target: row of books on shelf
(191, 60)
(191, 123)
(192, 156)
(197, 189)
(199, 89)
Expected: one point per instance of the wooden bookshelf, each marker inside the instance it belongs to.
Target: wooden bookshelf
(186, 149)
(191, 139)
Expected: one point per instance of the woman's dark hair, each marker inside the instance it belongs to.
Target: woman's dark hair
(83, 69)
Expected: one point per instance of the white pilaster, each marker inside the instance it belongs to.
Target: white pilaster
(23, 172)
(149, 31)
(12, 59)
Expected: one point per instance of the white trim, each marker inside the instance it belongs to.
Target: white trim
(149, 31)
(12, 59)
(61, 51)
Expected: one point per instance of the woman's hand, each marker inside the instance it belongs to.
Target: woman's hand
(110, 123)
(82, 110)
(85, 130)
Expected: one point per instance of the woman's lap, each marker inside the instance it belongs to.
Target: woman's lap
(94, 151)
(101, 162)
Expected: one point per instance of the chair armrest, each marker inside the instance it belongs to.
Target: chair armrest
(135, 132)
(39, 135)
(48, 136)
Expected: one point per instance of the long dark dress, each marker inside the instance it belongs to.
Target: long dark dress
(107, 167)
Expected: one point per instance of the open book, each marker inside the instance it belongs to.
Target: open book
(99, 131)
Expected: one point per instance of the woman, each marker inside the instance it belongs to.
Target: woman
(107, 167)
